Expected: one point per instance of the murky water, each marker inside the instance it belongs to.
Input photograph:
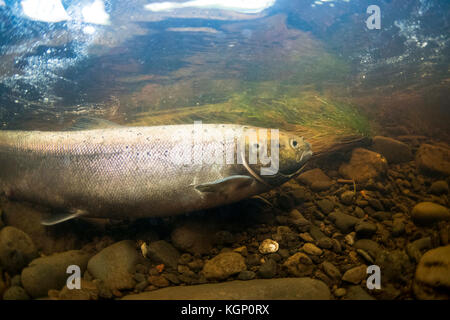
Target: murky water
(324, 70)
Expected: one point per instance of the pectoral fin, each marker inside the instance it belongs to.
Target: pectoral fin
(58, 218)
(226, 185)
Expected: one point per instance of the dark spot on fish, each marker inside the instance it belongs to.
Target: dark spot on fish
(148, 153)
(166, 153)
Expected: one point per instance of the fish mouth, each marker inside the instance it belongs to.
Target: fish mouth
(301, 158)
(304, 156)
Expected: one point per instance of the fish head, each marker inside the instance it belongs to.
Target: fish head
(294, 152)
(281, 156)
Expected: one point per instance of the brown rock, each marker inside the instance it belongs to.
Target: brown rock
(299, 265)
(355, 275)
(433, 159)
(46, 273)
(393, 150)
(224, 265)
(194, 237)
(115, 265)
(364, 165)
(316, 179)
(432, 279)
(259, 289)
(16, 249)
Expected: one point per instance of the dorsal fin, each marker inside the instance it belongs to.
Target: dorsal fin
(89, 123)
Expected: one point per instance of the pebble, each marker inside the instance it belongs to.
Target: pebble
(415, 248)
(299, 265)
(224, 237)
(268, 246)
(393, 150)
(194, 237)
(343, 222)
(340, 292)
(141, 286)
(355, 275)
(246, 275)
(358, 212)
(242, 251)
(331, 270)
(115, 265)
(365, 255)
(357, 293)
(433, 159)
(347, 197)
(439, 187)
(350, 238)
(268, 269)
(16, 249)
(163, 252)
(365, 229)
(196, 265)
(398, 228)
(224, 265)
(369, 246)
(306, 237)
(88, 291)
(185, 258)
(432, 278)
(316, 233)
(16, 293)
(50, 272)
(316, 179)
(325, 205)
(382, 215)
(311, 249)
(158, 281)
(364, 165)
(429, 212)
(376, 204)
(325, 243)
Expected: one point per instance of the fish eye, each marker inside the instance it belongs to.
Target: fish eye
(294, 143)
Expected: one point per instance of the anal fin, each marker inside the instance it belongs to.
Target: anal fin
(58, 218)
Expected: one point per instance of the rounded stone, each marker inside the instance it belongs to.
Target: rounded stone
(268, 269)
(16, 293)
(115, 265)
(46, 273)
(429, 212)
(224, 265)
(268, 246)
(311, 249)
(16, 249)
(393, 150)
(355, 275)
(432, 278)
(439, 187)
(299, 265)
(347, 197)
